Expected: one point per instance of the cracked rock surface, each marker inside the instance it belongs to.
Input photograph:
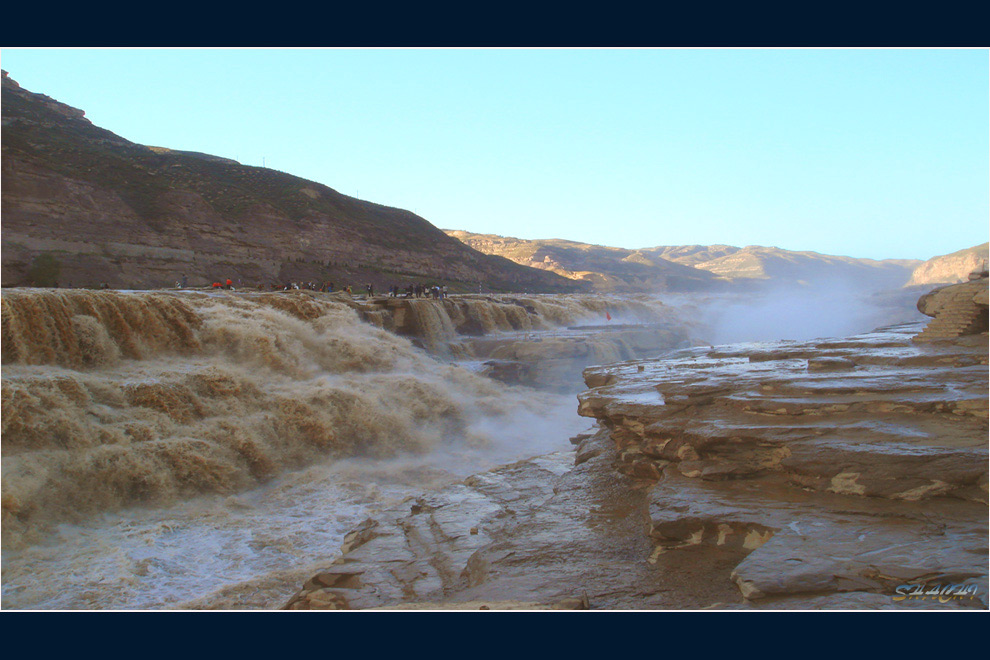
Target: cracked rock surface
(845, 468)
(830, 474)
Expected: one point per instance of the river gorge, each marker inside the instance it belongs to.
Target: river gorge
(303, 450)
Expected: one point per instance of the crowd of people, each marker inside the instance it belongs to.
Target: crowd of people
(413, 290)
(417, 290)
(324, 287)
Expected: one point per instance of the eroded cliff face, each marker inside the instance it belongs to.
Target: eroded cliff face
(958, 310)
(847, 473)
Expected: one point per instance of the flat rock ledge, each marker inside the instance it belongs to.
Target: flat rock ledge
(844, 469)
(537, 534)
(839, 474)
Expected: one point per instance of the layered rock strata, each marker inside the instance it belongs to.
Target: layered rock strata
(839, 474)
(845, 469)
(958, 310)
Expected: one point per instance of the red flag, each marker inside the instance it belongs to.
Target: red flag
(608, 317)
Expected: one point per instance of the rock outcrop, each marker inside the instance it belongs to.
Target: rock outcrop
(958, 310)
(840, 474)
(844, 469)
(538, 534)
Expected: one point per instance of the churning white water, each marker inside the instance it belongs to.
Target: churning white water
(253, 549)
(196, 451)
(211, 451)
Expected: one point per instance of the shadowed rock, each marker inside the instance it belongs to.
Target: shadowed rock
(958, 310)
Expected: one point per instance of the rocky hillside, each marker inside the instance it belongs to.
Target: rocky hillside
(951, 268)
(771, 263)
(109, 210)
(686, 267)
(606, 268)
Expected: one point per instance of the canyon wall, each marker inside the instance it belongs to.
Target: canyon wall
(109, 210)
(693, 268)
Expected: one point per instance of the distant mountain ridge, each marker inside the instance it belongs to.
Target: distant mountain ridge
(110, 210)
(606, 268)
(686, 267)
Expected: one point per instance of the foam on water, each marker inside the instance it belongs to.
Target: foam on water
(253, 549)
(197, 450)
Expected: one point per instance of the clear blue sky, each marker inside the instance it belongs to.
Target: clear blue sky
(867, 153)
